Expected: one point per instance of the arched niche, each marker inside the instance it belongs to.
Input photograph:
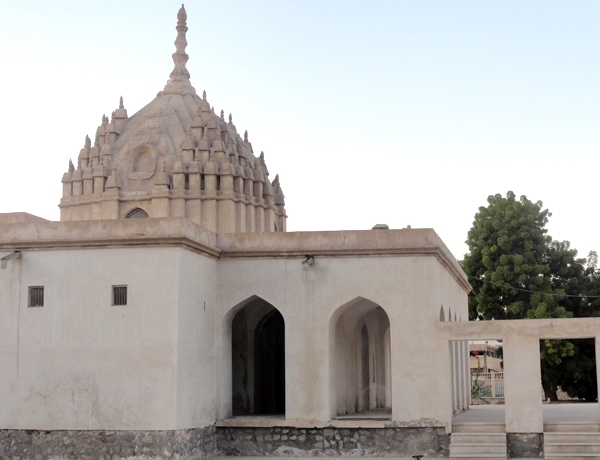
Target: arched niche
(257, 359)
(136, 213)
(360, 366)
(144, 159)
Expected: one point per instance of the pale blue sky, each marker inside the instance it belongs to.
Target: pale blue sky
(397, 112)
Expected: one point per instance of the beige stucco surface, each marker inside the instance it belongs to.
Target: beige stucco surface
(163, 361)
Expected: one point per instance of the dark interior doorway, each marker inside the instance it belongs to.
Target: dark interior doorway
(258, 360)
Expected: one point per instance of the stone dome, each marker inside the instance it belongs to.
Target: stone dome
(174, 157)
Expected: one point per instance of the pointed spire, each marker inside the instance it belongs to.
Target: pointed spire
(222, 115)
(212, 110)
(204, 95)
(88, 142)
(230, 119)
(179, 81)
(121, 103)
(246, 136)
(71, 167)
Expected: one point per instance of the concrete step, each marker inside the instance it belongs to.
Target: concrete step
(584, 437)
(572, 457)
(480, 456)
(463, 438)
(572, 427)
(572, 448)
(479, 428)
(474, 444)
(457, 450)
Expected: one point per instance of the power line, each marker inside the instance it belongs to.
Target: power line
(578, 296)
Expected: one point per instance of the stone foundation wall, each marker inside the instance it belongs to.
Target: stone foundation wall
(300, 442)
(525, 445)
(193, 444)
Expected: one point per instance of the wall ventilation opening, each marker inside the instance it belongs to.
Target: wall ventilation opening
(119, 295)
(36, 296)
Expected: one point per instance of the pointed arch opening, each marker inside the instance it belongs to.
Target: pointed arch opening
(136, 213)
(361, 361)
(258, 360)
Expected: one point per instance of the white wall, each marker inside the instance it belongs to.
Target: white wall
(78, 362)
(408, 288)
(197, 304)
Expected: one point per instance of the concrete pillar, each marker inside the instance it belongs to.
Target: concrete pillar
(454, 376)
(467, 375)
(522, 385)
(226, 216)
(240, 217)
(461, 375)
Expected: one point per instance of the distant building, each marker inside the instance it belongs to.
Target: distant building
(485, 357)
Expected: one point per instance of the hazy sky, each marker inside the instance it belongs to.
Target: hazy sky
(396, 112)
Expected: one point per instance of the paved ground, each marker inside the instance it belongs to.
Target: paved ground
(553, 413)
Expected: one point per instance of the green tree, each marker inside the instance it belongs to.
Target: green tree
(508, 260)
(517, 271)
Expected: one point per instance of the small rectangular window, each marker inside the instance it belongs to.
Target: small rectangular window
(119, 295)
(36, 296)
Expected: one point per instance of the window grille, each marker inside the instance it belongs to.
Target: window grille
(119, 295)
(36, 296)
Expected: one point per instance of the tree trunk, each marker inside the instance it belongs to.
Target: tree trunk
(549, 393)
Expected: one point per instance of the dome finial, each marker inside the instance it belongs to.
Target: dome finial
(204, 95)
(222, 115)
(121, 103)
(180, 75)
(230, 119)
(246, 136)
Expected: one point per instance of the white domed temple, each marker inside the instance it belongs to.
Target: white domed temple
(170, 315)
(174, 158)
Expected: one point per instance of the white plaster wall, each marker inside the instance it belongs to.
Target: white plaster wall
(9, 319)
(79, 363)
(196, 405)
(410, 290)
(453, 300)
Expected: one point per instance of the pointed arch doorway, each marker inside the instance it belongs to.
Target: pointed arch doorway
(361, 361)
(258, 360)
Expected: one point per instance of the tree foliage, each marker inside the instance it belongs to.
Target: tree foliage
(517, 272)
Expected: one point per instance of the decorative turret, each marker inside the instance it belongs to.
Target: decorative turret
(174, 157)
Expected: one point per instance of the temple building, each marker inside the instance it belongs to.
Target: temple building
(170, 315)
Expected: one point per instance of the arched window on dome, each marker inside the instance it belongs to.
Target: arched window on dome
(137, 213)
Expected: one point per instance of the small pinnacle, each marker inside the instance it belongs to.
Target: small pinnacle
(203, 95)
(212, 110)
(222, 115)
(262, 156)
(230, 118)
(246, 136)
(88, 142)
(112, 116)
(71, 167)
(121, 102)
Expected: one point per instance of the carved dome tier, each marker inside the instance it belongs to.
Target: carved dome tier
(174, 157)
